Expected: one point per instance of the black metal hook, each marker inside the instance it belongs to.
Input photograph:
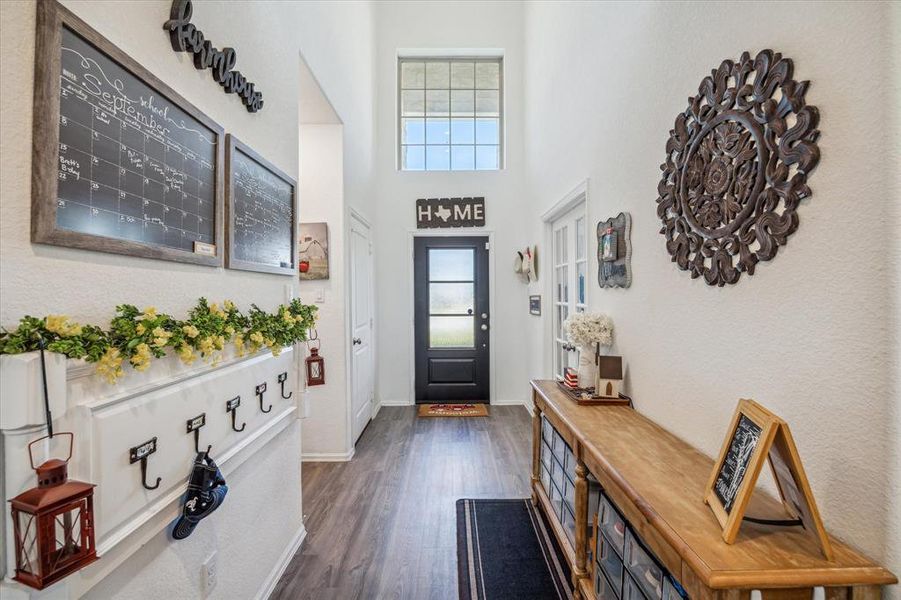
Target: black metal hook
(140, 453)
(194, 425)
(232, 407)
(282, 379)
(260, 390)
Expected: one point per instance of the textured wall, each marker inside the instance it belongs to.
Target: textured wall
(443, 26)
(811, 335)
(335, 39)
(263, 510)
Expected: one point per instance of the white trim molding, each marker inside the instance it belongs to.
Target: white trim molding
(328, 456)
(283, 561)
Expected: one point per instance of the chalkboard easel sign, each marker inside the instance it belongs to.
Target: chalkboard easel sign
(261, 203)
(121, 162)
(756, 436)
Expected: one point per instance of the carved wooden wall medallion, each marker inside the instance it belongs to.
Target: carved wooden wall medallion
(736, 168)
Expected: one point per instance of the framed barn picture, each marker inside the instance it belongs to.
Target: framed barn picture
(313, 251)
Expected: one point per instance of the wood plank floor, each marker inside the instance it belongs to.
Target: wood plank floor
(383, 525)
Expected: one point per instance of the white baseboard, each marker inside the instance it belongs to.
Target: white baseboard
(396, 403)
(327, 456)
(507, 402)
(279, 569)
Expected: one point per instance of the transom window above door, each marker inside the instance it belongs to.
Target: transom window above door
(450, 114)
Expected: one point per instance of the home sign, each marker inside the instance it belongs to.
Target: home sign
(185, 37)
(433, 213)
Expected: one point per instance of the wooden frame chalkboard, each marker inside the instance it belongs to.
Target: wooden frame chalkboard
(240, 157)
(142, 228)
(756, 436)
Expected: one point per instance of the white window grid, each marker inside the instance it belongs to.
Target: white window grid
(450, 59)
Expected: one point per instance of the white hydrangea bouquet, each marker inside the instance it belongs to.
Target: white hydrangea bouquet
(586, 330)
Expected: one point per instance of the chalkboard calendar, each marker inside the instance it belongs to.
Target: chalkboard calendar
(262, 213)
(137, 168)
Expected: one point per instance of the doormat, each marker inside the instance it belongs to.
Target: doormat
(506, 550)
(453, 410)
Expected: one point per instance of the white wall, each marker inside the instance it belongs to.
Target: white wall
(811, 335)
(325, 428)
(336, 39)
(443, 26)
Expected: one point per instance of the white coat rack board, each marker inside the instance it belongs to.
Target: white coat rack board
(757, 435)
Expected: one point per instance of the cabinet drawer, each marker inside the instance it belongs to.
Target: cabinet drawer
(602, 588)
(569, 464)
(643, 567)
(558, 447)
(556, 498)
(612, 524)
(569, 495)
(547, 430)
(609, 562)
(631, 590)
(569, 524)
(557, 474)
(546, 455)
(672, 591)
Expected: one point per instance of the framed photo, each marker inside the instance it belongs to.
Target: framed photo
(261, 204)
(608, 245)
(535, 305)
(312, 252)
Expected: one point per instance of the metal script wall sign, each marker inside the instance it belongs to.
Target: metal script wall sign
(185, 37)
(736, 168)
(435, 213)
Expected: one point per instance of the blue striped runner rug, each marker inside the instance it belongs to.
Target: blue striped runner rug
(506, 550)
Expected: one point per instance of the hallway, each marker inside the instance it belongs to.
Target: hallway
(383, 525)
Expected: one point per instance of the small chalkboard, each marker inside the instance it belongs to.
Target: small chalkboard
(735, 464)
(121, 162)
(756, 436)
(262, 213)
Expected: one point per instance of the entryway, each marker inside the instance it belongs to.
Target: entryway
(452, 320)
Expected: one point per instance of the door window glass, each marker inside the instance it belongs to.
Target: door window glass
(451, 277)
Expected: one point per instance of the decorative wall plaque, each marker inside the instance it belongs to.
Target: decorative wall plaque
(434, 213)
(736, 168)
(615, 251)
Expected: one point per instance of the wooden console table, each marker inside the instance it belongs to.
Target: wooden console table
(656, 481)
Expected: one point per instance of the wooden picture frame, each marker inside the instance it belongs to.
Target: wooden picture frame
(233, 261)
(51, 19)
(773, 444)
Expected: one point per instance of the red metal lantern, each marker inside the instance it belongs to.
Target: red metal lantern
(315, 368)
(53, 524)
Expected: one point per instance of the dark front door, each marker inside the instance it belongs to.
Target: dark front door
(452, 320)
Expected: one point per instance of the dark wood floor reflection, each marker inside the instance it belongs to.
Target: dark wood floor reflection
(383, 525)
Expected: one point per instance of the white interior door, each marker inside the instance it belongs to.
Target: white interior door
(570, 261)
(362, 357)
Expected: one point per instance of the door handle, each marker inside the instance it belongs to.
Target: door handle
(357, 341)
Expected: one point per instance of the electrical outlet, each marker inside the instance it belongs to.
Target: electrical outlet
(208, 573)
